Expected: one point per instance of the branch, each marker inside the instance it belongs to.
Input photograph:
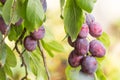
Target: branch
(21, 54)
(44, 60)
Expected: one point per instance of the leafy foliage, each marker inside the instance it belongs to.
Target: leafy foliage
(73, 18)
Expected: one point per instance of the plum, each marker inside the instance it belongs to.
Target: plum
(30, 43)
(74, 59)
(84, 31)
(97, 49)
(3, 26)
(82, 46)
(89, 19)
(3, 1)
(39, 34)
(19, 22)
(44, 4)
(89, 65)
(95, 29)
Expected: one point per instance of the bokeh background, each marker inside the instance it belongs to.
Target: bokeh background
(107, 13)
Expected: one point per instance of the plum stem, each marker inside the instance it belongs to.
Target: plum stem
(44, 60)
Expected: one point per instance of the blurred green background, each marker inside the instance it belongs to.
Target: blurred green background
(107, 13)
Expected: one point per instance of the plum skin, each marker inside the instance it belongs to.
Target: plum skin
(95, 29)
(89, 19)
(3, 26)
(3, 1)
(97, 49)
(39, 34)
(74, 59)
(84, 31)
(89, 65)
(29, 43)
(82, 46)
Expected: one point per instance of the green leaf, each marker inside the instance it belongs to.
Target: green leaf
(104, 38)
(73, 19)
(8, 70)
(62, 2)
(49, 51)
(11, 58)
(75, 74)
(87, 5)
(3, 53)
(100, 75)
(21, 8)
(12, 34)
(7, 11)
(2, 74)
(55, 46)
(34, 14)
(37, 66)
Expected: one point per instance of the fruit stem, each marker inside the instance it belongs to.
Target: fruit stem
(44, 60)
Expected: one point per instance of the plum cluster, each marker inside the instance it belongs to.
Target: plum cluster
(85, 52)
(30, 41)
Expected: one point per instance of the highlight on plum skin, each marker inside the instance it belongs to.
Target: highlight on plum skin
(97, 49)
(74, 59)
(29, 43)
(95, 29)
(84, 31)
(38, 34)
(89, 65)
(82, 46)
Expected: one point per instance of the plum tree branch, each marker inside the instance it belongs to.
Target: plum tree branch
(44, 60)
(21, 53)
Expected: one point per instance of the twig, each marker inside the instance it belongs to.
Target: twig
(21, 53)
(44, 60)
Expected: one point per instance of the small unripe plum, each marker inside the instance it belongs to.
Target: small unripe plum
(82, 46)
(44, 4)
(3, 26)
(18, 23)
(39, 34)
(30, 43)
(89, 19)
(3, 1)
(70, 42)
(84, 31)
(97, 49)
(74, 59)
(89, 65)
(95, 29)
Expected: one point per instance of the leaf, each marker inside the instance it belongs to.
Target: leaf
(76, 74)
(21, 8)
(11, 58)
(37, 65)
(8, 70)
(87, 5)
(2, 74)
(12, 34)
(104, 38)
(55, 46)
(3, 53)
(34, 14)
(100, 75)
(73, 18)
(7, 11)
(49, 51)
(62, 2)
